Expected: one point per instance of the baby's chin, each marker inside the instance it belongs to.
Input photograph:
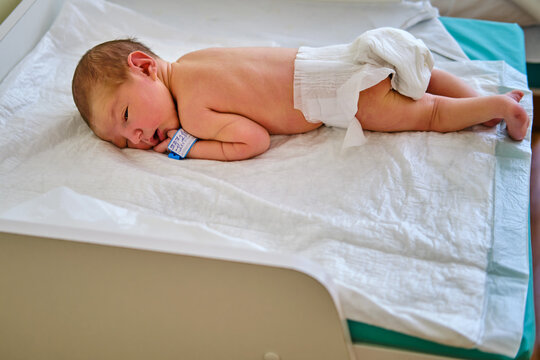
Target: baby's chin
(141, 146)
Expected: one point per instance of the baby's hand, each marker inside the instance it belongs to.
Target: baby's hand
(162, 146)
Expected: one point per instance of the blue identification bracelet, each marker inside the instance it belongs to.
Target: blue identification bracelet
(180, 144)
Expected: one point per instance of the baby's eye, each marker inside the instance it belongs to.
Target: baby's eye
(126, 115)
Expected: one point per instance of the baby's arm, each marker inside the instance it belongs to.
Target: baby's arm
(224, 136)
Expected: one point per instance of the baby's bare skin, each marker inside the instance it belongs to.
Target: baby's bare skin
(253, 83)
(237, 98)
(233, 99)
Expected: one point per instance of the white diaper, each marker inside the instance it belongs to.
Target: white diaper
(328, 80)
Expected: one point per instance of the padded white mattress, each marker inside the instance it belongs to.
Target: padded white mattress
(423, 233)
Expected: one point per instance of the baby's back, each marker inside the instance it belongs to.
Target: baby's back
(256, 83)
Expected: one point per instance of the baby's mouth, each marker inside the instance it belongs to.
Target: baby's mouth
(162, 135)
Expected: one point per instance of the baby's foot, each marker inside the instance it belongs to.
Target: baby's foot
(517, 121)
(514, 95)
(492, 122)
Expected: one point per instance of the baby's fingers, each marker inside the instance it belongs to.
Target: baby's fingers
(162, 146)
(171, 133)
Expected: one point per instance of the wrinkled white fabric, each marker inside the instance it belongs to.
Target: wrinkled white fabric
(328, 80)
(423, 233)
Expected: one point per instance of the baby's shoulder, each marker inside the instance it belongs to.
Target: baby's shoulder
(202, 56)
(191, 84)
(195, 67)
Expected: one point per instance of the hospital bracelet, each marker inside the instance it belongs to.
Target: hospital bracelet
(180, 144)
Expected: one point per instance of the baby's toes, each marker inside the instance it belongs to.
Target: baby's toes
(516, 95)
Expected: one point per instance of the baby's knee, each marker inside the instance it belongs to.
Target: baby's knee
(371, 103)
(434, 120)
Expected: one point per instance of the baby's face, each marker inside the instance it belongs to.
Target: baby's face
(138, 114)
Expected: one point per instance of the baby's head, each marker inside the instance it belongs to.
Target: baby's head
(119, 90)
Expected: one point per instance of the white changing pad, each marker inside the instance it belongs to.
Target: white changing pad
(416, 229)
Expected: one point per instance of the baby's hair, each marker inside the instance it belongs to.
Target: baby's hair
(104, 65)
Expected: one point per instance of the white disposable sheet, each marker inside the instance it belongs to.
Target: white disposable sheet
(423, 233)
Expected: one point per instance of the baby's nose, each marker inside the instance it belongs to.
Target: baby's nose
(136, 136)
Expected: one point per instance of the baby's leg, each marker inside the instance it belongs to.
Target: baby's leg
(382, 109)
(452, 114)
(446, 84)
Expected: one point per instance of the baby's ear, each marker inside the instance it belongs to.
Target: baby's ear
(143, 62)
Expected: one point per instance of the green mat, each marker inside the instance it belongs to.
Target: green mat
(489, 40)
